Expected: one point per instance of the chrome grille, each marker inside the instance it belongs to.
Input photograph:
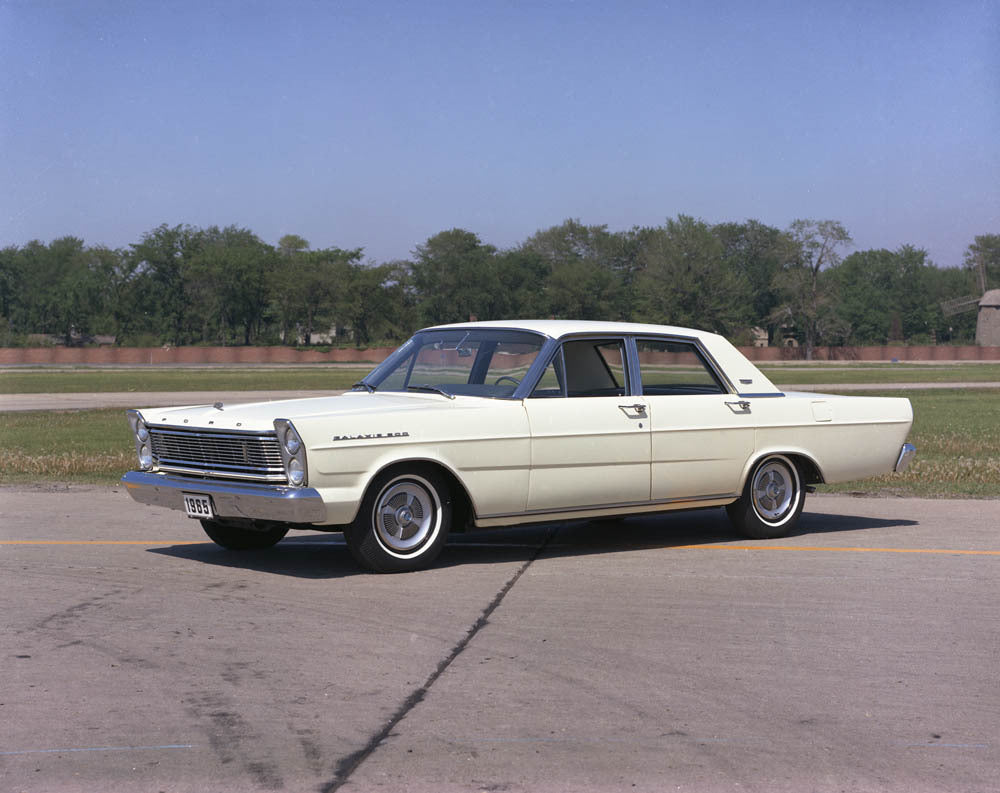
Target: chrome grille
(251, 456)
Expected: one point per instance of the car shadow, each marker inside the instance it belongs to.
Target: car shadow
(324, 556)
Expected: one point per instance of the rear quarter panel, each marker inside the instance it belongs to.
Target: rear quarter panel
(848, 437)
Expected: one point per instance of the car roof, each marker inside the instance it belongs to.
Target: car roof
(745, 377)
(557, 328)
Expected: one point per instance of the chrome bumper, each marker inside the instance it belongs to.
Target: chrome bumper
(230, 499)
(905, 455)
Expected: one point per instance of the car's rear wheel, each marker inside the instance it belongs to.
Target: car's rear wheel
(772, 499)
(235, 537)
(403, 521)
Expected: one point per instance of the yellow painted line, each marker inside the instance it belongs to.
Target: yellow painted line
(103, 542)
(822, 548)
(843, 549)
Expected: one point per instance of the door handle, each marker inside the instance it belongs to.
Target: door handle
(640, 409)
(743, 405)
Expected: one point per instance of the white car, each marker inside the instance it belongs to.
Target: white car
(499, 423)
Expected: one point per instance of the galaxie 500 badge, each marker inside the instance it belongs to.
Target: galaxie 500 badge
(371, 436)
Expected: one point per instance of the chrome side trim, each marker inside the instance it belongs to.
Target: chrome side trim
(605, 507)
(590, 514)
(905, 456)
(230, 499)
(762, 396)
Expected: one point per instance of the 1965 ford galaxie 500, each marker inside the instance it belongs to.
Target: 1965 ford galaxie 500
(498, 423)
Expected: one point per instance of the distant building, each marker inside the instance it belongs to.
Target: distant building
(988, 324)
(759, 336)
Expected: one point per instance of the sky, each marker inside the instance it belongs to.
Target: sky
(376, 125)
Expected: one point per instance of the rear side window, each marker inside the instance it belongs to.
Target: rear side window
(674, 368)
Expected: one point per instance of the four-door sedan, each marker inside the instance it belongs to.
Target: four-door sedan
(499, 423)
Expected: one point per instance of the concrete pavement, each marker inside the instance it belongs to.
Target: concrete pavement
(639, 655)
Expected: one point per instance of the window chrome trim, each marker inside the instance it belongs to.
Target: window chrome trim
(707, 359)
(535, 377)
(384, 369)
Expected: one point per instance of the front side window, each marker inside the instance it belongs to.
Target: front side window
(479, 362)
(674, 368)
(586, 368)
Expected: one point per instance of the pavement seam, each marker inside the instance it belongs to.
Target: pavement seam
(349, 764)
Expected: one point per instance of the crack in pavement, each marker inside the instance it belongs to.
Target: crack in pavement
(349, 764)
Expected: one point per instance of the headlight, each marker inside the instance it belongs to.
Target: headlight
(292, 441)
(140, 431)
(293, 452)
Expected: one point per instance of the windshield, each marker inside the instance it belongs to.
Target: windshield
(477, 362)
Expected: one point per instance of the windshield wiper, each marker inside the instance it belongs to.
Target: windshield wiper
(428, 387)
(367, 386)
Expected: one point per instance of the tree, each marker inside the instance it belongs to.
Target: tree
(807, 303)
(62, 288)
(291, 244)
(758, 252)
(306, 287)
(11, 279)
(228, 280)
(522, 274)
(455, 277)
(591, 270)
(985, 252)
(685, 279)
(160, 262)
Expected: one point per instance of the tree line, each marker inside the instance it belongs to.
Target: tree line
(186, 285)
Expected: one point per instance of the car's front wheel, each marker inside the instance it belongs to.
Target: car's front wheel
(241, 538)
(403, 521)
(772, 499)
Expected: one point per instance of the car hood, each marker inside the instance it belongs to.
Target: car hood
(260, 416)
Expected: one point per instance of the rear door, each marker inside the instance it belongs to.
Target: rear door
(702, 435)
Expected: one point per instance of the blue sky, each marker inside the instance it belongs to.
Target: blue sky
(378, 124)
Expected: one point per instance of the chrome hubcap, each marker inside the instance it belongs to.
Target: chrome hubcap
(405, 515)
(774, 491)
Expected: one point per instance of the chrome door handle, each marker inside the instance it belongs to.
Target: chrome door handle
(640, 409)
(743, 405)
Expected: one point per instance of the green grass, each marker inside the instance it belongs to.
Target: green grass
(810, 374)
(83, 380)
(957, 435)
(85, 446)
(67, 381)
(956, 432)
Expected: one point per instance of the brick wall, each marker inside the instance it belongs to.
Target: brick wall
(166, 356)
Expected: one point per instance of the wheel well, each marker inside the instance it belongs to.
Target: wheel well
(461, 504)
(807, 469)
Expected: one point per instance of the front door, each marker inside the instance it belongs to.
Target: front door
(590, 438)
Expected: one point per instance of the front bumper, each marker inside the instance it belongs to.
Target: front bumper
(230, 499)
(905, 456)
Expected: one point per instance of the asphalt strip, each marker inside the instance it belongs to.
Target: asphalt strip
(349, 764)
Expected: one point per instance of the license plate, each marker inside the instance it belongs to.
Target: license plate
(198, 506)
